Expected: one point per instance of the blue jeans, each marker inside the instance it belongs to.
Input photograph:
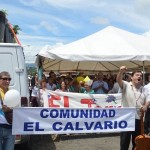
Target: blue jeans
(7, 140)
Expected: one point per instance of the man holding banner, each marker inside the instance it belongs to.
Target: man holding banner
(7, 140)
(133, 95)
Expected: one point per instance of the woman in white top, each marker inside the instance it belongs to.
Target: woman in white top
(34, 96)
(43, 90)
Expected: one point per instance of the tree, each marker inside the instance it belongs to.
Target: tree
(4, 11)
(16, 29)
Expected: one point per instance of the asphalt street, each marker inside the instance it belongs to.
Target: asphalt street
(76, 142)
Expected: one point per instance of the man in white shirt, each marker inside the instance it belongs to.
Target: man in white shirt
(133, 95)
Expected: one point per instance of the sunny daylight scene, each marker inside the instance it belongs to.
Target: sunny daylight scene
(74, 74)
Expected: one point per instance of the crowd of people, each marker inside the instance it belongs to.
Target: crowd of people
(98, 84)
(134, 94)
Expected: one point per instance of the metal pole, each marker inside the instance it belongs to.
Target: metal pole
(38, 68)
(143, 74)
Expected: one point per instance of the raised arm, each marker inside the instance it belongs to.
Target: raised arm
(120, 74)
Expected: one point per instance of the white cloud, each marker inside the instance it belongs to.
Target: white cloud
(49, 27)
(75, 4)
(126, 15)
(39, 40)
(32, 44)
(34, 28)
(71, 24)
(143, 7)
(99, 20)
(30, 15)
(30, 3)
(147, 34)
(67, 4)
(32, 51)
(134, 13)
(72, 17)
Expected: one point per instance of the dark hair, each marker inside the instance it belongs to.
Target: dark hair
(136, 71)
(51, 72)
(127, 76)
(69, 78)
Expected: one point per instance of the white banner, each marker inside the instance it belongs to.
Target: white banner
(54, 99)
(72, 120)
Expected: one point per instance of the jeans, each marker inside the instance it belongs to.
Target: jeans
(7, 140)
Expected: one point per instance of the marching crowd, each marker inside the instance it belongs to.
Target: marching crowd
(96, 84)
(134, 94)
(70, 84)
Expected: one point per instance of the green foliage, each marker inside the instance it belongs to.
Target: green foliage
(16, 29)
(31, 71)
(4, 11)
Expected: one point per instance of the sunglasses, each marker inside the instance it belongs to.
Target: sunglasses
(6, 79)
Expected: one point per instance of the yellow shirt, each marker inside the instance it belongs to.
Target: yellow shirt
(2, 93)
(2, 116)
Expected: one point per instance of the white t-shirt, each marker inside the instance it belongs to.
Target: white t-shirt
(147, 91)
(34, 91)
(44, 96)
(133, 97)
(147, 88)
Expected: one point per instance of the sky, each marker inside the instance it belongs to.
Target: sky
(54, 22)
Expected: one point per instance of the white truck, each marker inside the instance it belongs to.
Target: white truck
(12, 60)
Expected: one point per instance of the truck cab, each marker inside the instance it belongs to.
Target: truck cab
(12, 60)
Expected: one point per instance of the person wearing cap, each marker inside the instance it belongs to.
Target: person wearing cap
(87, 88)
(80, 77)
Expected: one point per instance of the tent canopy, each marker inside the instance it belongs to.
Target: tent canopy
(105, 50)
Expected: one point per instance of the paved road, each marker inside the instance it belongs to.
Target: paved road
(89, 142)
(76, 142)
